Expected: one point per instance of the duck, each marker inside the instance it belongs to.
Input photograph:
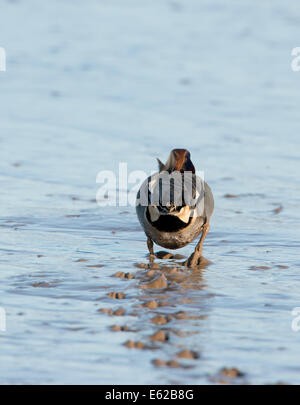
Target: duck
(174, 206)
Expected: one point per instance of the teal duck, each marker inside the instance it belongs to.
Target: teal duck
(174, 206)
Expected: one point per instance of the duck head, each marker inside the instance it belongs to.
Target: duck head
(179, 160)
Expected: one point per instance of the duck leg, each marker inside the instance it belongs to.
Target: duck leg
(195, 257)
(150, 248)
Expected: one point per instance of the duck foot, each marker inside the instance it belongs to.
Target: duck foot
(196, 262)
(193, 260)
(151, 258)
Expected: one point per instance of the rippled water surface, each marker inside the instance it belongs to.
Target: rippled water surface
(90, 84)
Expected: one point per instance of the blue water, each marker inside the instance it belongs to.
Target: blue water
(91, 84)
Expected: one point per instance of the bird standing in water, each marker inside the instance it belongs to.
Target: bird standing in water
(174, 206)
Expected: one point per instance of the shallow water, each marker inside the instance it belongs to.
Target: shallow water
(88, 86)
